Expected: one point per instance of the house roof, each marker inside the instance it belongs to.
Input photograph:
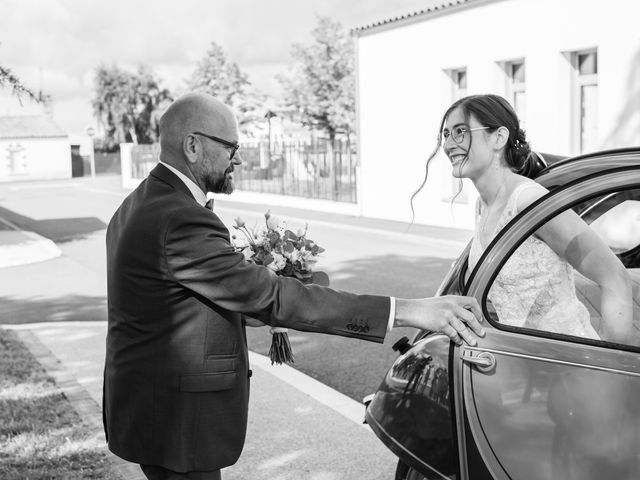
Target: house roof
(31, 126)
(435, 7)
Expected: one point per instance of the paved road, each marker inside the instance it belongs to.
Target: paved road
(359, 257)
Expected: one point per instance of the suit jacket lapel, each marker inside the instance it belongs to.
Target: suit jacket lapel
(163, 173)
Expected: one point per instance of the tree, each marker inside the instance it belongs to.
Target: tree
(321, 83)
(128, 104)
(151, 101)
(218, 76)
(8, 79)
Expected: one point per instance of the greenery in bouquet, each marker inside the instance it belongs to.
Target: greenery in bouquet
(286, 253)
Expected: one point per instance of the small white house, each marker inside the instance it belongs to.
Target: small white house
(33, 147)
(571, 68)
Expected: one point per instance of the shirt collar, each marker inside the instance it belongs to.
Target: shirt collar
(195, 190)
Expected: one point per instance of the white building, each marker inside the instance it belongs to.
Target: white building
(33, 147)
(570, 67)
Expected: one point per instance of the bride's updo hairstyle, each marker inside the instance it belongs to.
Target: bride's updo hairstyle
(494, 112)
(490, 111)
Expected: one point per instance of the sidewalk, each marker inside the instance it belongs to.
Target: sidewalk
(298, 428)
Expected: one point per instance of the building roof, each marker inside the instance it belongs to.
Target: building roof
(435, 7)
(31, 126)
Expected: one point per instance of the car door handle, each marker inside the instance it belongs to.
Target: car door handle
(484, 361)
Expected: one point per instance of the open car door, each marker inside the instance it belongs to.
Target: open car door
(531, 404)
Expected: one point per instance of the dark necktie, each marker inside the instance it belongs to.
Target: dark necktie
(209, 204)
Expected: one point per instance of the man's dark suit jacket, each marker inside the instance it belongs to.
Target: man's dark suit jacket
(176, 381)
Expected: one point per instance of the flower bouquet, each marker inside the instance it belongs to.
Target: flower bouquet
(286, 253)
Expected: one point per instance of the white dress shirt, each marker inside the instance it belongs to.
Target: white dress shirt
(195, 190)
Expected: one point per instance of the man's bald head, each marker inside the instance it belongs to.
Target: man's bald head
(194, 112)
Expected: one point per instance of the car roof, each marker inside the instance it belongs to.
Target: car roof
(562, 170)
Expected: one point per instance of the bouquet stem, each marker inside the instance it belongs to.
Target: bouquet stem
(280, 351)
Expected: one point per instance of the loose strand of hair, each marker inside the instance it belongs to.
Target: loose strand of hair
(460, 188)
(424, 180)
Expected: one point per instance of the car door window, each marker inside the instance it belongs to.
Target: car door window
(535, 289)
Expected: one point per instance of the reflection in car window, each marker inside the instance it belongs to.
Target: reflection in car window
(422, 376)
(536, 289)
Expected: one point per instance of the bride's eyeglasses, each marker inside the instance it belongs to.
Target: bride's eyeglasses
(458, 133)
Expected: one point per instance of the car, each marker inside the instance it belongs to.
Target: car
(526, 404)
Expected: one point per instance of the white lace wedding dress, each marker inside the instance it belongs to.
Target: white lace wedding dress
(535, 288)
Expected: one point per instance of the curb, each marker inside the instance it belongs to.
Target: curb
(345, 406)
(20, 247)
(80, 400)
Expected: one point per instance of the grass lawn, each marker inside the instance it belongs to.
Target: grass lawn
(41, 436)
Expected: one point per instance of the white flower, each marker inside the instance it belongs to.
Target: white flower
(260, 236)
(241, 241)
(273, 222)
(294, 255)
(279, 262)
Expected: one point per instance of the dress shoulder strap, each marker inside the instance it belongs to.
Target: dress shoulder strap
(513, 200)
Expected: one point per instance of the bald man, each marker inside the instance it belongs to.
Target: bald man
(176, 380)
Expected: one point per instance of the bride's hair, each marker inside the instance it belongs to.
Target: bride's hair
(490, 111)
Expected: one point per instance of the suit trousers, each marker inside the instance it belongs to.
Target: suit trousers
(154, 472)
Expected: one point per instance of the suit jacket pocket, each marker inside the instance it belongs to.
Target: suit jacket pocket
(208, 382)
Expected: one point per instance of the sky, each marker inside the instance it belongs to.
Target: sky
(55, 45)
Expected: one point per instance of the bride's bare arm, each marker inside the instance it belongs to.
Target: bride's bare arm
(572, 239)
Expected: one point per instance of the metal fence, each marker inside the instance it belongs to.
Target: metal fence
(104, 163)
(313, 170)
(143, 159)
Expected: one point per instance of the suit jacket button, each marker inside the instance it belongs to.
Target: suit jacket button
(250, 373)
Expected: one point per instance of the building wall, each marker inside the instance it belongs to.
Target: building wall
(34, 159)
(403, 91)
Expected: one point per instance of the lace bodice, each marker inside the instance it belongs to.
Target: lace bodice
(535, 288)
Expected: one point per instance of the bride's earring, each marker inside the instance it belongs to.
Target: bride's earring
(496, 164)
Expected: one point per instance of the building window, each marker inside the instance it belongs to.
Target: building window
(16, 159)
(515, 87)
(458, 77)
(585, 101)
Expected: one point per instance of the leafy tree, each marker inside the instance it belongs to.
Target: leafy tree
(321, 83)
(218, 76)
(151, 101)
(8, 79)
(128, 105)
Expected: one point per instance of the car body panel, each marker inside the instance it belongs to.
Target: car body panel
(411, 411)
(557, 413)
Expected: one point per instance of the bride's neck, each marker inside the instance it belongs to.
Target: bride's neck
(492, 186)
